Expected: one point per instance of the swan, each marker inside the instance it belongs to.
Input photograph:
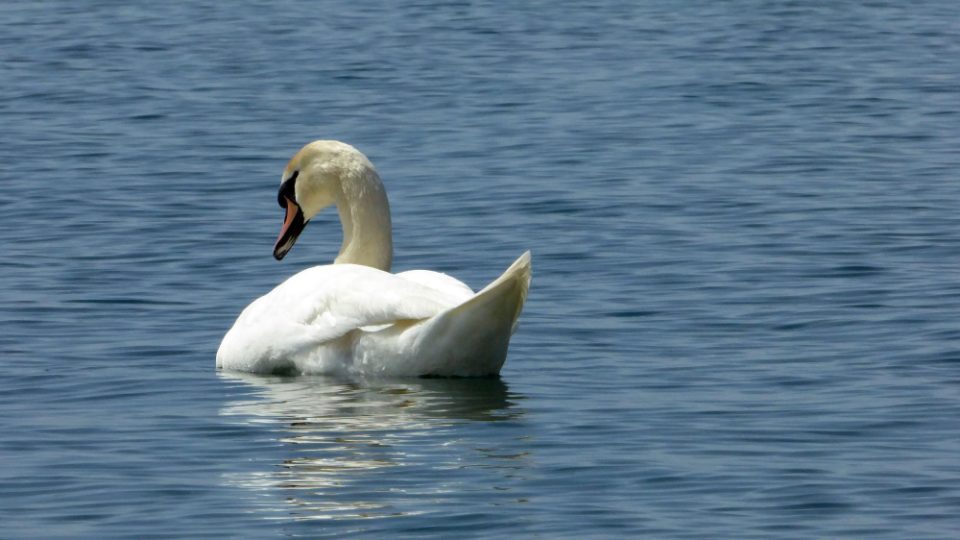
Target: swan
(354, 317)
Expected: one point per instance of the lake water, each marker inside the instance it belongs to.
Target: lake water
(745, 313)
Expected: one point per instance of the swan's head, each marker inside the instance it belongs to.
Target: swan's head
(315, 178)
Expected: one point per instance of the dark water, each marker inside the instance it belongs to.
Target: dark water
(745, 314)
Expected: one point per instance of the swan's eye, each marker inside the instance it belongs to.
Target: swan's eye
(287, 190)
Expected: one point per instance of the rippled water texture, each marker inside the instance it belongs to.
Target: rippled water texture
(744, 314)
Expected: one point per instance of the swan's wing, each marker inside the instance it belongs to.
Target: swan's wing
(469, 339)
(321, 304)
(449, 286)
(335, 299)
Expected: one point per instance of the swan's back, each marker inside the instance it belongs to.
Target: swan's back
(355, 319)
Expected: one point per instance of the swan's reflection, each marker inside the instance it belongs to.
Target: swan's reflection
(380, 449)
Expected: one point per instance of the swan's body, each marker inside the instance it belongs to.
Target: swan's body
(354, 316)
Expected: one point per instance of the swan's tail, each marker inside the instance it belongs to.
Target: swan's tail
(472, 338)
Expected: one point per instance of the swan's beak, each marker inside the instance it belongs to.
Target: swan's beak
(293, 224)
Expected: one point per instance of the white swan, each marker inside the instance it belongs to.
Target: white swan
(354, 317)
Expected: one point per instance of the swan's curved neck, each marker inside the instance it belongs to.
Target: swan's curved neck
(365, 216)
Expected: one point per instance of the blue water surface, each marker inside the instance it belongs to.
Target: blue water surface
(745, 222)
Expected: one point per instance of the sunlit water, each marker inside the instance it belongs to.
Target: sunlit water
(745, 221)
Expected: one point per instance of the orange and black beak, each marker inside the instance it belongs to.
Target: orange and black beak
(293, 222)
